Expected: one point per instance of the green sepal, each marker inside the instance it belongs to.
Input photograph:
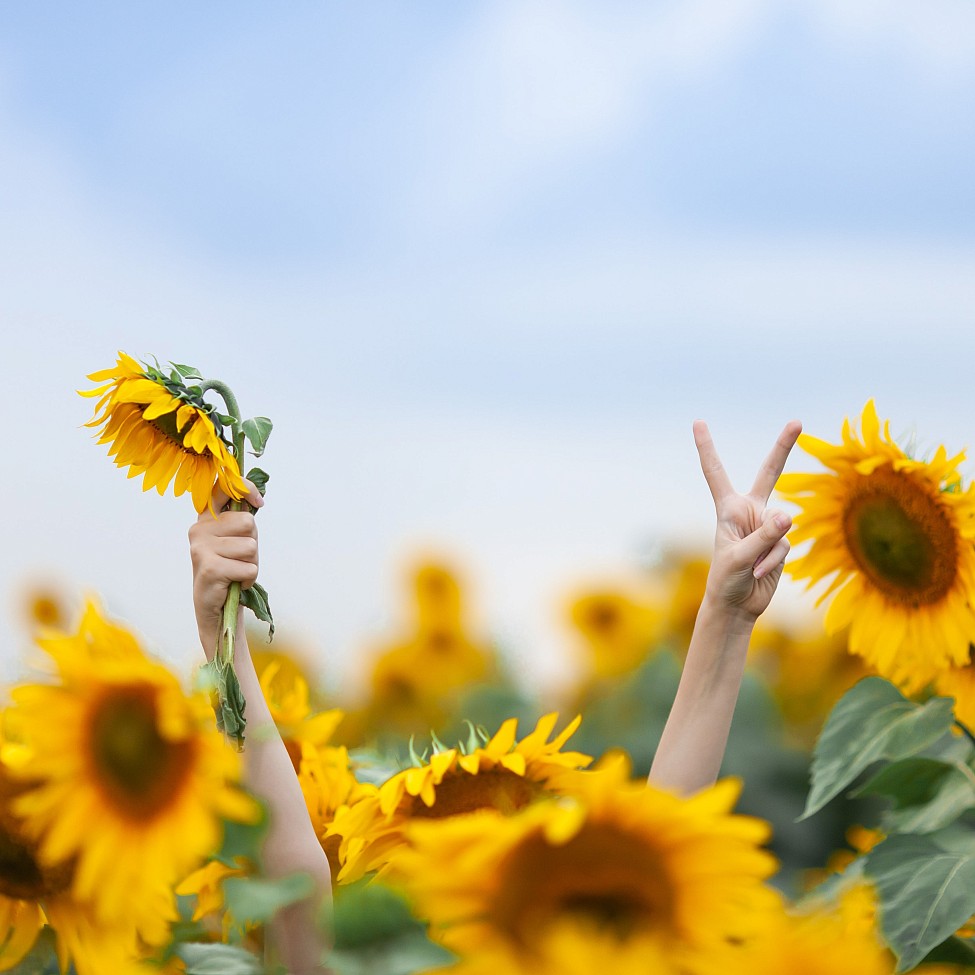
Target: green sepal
(259, 479)
(255, 599)
(187, 372)
(257, 429)
(227, 699)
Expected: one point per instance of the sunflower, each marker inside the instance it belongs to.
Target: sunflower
(127, 776)
(896, 535)
(639, 874)
(33, 895)
(618, 630)
(160, 427)
(286, 692)
(502, 775)
(838, 940)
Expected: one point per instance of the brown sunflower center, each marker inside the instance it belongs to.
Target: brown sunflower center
(166, 424)
(21, 876)
(603, 877)
(140, 771)
(902, 538)
(460, 792)
(604, 617)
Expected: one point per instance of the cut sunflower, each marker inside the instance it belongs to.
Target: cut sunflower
(895, 533)
(500, 775)
(639, 874)
(116, 742)
(159, 426)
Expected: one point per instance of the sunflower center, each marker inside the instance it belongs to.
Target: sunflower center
(139, 769)
(166, 424)
(460, 792)
(902, 538)
(603, 877)
(21, 876)
(604, 617)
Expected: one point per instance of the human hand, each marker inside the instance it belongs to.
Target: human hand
(750, 546)
(223, 549)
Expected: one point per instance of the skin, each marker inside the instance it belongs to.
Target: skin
(224, 549)
(749, 552)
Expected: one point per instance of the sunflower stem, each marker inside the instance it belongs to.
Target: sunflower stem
(227, 637)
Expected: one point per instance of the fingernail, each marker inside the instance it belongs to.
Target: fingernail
(758, 573)
(781, 521)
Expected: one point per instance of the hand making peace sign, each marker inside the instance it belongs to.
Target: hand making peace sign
(749, 542)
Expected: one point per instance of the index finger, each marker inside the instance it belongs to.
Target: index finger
(772, 466)
(714, 472)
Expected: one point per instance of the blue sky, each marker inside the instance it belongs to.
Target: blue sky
(482, 264)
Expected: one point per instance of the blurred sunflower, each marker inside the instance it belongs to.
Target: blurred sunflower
(896, 534)
(841, 940)
(638, 873)
(44, 607)
(33, 895)
(501, 775)
(619, 631)
(286, 692)
(162, 428)
(127, 776)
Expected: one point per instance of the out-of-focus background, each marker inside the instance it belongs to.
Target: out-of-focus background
(482, 264)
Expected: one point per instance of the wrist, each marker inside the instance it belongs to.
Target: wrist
(736, 618)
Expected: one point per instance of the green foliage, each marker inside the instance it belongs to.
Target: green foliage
(927, 794)
(255, 599)
(872, 721)
(255, 900)
(218, 959)
(221, 680)
(41, 959)
(259, 479)
(926, 893)
(257, 430)
(375, 932)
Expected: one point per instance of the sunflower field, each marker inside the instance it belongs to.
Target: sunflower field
(472, 824)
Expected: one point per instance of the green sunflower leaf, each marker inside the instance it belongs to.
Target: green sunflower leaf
(926, 893)
(927, 794)
(257, 900)
(259, 479)
(872, 721)
(255, 599)
(218, 959)
(257, 430)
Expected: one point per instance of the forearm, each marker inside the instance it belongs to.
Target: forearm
(296, 937)
(692, 746)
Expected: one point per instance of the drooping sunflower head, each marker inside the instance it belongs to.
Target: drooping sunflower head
(127, 775)
(500, 775)
(641, 873)
(159, 426)
(895, 533)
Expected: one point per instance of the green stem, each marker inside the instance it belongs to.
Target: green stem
(227, 637)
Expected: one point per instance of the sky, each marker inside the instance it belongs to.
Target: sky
(483, 264)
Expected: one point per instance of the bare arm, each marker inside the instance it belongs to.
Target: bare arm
(749, 551)
(224, 549)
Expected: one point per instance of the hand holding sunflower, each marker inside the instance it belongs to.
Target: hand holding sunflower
(749, 543)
